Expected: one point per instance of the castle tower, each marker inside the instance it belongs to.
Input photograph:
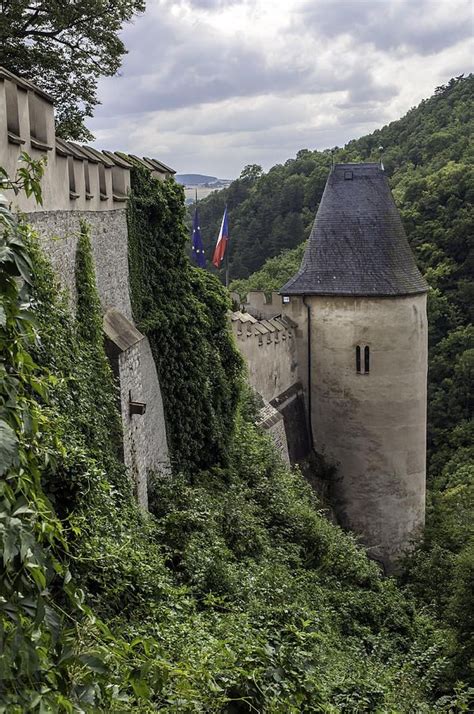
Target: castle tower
(362, 303)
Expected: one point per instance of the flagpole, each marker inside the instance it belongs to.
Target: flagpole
(227, 262)
(227, 268)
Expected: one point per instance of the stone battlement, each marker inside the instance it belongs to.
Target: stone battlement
(260, 304)
(76, 178)
(269, 349)
(277, 328)
(272, 351)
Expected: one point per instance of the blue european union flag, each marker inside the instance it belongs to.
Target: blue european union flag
(198, 248)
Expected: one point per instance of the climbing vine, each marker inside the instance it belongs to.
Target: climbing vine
(183, 311)
(57, 418)
(40, 607)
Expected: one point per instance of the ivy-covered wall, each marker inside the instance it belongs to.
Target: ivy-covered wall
(183, 311)
(59, 231)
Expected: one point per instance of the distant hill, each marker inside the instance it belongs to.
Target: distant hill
(200, 185)
(194, 179)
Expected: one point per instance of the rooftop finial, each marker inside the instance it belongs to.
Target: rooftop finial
(381, 162)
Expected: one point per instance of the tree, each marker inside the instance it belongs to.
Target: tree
(251, 173)
(64, 46)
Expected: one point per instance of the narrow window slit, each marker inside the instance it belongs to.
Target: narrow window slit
(358, 359)
(366, 360)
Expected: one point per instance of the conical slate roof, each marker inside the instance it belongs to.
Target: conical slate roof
(358, 245)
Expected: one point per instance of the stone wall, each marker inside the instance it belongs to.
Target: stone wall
(260, 304)
(144, 435)
(145, 445)
(74, 178)
(291, 405)
(271, 421)
(268, 347)
(81, 183)
(59, 233)
(276, 358)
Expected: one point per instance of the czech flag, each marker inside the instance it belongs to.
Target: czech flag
(222, 241)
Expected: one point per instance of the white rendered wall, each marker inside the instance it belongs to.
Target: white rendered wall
(373, 426)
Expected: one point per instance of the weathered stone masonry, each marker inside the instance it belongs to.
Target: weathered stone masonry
(271, 350)
(83, 184)
(59, 232)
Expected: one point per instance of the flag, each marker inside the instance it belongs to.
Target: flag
(222, 241)
(198, 248)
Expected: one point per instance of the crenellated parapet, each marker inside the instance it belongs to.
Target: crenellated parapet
(275, 329)
(272, 351)
(261, 304)
(76, 178)
(269, 349)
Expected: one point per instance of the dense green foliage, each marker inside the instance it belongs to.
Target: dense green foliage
(30, 533)
(183, 311)
(273, 273)
(428, 155)
(66, 47)
(234, 595)
(50, 659)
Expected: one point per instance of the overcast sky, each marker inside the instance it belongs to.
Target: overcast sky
(209, 86)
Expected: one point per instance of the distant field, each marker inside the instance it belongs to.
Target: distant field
(202, 192)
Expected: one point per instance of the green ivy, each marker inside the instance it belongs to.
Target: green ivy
(38, 630)
(183, 311)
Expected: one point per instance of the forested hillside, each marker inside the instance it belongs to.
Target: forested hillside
(428, 155)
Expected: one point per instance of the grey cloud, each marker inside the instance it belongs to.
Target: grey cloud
(212, 4)
(363, 90)
(203, 101)
(172, 65)
(390, 25)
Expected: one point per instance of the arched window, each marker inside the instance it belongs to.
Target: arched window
(366, 359)
(358, 359)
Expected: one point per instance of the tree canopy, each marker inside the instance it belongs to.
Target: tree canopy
(65, 46)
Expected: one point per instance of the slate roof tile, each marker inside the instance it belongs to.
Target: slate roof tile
(358, 245)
